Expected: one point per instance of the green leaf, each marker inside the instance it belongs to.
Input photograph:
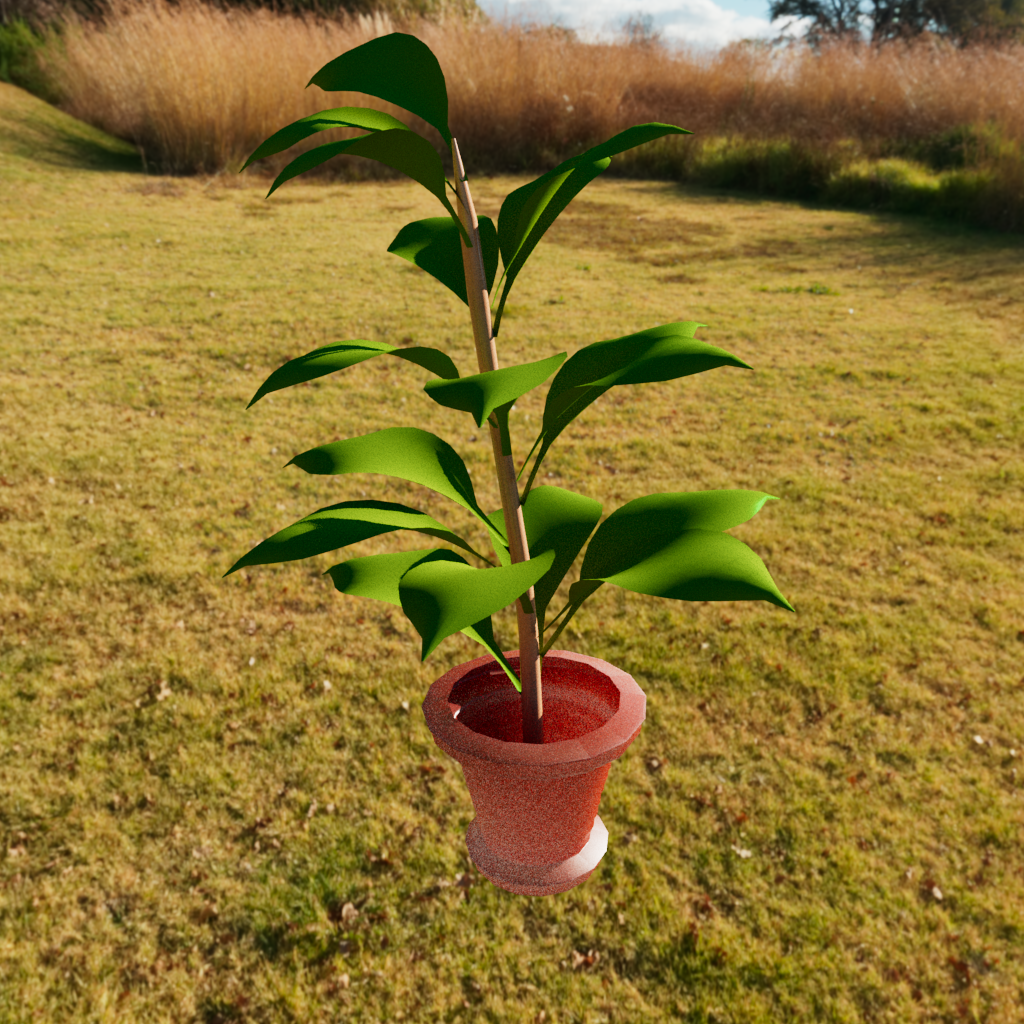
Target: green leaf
(670, 545)
(482, 393)
(340, 117)
(338, 526)
(398, 68)
(342, 354)
(560, 521)
(379, 576)
(656, 354)
(529, 211)
(403, 150)
(641, 528)
(489, 247)
(702, 566)
(441, 598)
(434, 245)
(407, 453)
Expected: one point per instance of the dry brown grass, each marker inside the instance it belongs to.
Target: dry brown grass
(198, 88)
(194, 87)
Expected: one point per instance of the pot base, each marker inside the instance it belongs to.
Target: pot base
(538, 879)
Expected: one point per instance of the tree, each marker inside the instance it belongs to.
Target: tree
(829, 18)
(959, 20)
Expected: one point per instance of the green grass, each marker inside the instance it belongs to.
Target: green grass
(186, 810)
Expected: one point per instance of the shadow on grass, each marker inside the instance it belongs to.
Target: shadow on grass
(699, 972)
(33, 131)
(987, 193)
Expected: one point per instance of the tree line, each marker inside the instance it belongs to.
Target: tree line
(960, 21)
(42, 12)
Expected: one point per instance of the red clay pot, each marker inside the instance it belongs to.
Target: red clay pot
(536, 829)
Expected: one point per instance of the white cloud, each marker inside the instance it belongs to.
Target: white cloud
(700, 23)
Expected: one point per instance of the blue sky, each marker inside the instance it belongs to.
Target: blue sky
(706, 23)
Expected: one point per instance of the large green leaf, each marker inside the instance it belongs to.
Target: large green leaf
(560, 521)
(398, 68)
(656, 354)
(434, 245)
(340, 117)
(338, 526)
(482, 393)
(407, 453)
(671, 545)
(379, 577)
(341, 354)
(441, 598)
(645, 526)
(702, 565)
(529, 211)
(403, 150)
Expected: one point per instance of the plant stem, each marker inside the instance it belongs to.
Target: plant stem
(515, 528)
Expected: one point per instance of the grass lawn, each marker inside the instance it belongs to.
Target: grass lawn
(218, 798)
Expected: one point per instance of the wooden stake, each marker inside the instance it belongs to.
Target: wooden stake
(515, 528)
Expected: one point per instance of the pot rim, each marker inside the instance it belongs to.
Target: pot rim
(601, 746)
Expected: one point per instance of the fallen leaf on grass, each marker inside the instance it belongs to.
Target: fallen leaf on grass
(961, 972)
(581, 961)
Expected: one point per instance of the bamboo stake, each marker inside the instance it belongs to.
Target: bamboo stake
(515, 528)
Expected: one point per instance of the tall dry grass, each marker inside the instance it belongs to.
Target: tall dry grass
(197, 87)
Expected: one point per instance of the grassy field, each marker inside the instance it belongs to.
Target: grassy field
(218, 798)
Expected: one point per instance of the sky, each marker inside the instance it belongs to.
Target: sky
(704, 23)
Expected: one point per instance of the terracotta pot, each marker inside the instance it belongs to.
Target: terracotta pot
(536, 829)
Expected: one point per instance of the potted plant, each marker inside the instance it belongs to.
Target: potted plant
(536, 728)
